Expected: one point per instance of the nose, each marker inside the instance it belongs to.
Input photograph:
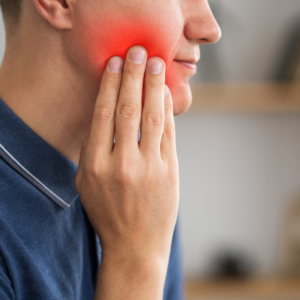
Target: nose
(200, 23)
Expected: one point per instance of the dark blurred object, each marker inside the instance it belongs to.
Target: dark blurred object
(252, 289)
(290, 66)
(232, 265)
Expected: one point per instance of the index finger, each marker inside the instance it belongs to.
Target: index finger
(102, 131)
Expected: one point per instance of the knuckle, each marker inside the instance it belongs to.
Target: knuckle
(111, 80)
(92, 172)
(156, 83)
(135, 75)
(134, 71)
(128, 111)
(169, 131)
(125, 176)
(152, 172)
(168, 108)
(153, 118)
(104, 113)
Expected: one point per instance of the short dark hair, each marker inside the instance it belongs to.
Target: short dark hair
(11, 9)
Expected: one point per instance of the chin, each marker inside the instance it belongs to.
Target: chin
(182, 97)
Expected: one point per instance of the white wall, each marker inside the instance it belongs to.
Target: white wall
(238, 174)
(255, 34)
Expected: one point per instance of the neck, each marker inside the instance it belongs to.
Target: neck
(53, 98)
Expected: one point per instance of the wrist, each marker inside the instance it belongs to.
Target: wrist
(137, 262)
(137, 277)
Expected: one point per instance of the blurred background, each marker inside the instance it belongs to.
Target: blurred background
(239, 155)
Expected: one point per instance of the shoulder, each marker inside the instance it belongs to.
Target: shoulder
(6, 290)
(19, 199)
(7, 184)
(11, 186)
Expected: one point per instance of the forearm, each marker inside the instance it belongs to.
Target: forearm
(131, 280)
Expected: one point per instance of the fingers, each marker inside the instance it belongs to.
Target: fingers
(128, 111)
(153, 111)
(119, 103)
(102, 130)
(168, 141)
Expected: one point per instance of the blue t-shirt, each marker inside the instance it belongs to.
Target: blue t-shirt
(48, 249)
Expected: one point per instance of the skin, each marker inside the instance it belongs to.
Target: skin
(133, 220)
(56, 59)
(170, 29)
(57, 66)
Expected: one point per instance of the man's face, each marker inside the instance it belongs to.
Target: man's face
(170, 29)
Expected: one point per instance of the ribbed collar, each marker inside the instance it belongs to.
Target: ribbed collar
(35, 159)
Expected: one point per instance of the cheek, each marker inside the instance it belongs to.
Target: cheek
(114, 35)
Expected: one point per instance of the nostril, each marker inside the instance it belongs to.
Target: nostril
(201, 25)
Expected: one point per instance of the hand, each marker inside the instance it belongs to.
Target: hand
(130, 189)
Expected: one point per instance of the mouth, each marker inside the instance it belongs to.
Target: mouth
(190, 64)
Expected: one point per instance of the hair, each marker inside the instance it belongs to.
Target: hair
(11, 10)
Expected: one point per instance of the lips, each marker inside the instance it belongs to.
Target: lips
(190, 64)
(188, 61)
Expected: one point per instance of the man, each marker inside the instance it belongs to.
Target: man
(53, 117)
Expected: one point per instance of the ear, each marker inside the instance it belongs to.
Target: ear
(56, 12)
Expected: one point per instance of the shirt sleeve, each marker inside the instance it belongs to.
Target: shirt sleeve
(174, 281)
(6, 290)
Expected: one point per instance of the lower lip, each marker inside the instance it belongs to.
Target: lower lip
(187, 65)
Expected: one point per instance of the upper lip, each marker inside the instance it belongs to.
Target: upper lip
(190, 61)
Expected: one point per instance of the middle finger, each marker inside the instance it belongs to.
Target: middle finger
(128, 111)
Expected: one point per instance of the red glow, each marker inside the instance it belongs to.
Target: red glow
(118, 35)
(108, 31)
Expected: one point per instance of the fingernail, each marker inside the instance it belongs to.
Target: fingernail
(115, 64)
(166, 91)
(137, 55)
(154, 66)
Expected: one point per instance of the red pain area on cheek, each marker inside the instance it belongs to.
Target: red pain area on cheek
(115, 36)
(109, 34)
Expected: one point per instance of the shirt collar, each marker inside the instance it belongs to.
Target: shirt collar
(36, 160)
